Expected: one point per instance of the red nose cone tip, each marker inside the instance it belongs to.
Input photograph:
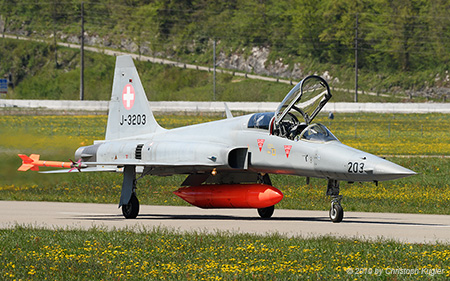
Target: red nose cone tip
(269, 195)
(231, 195)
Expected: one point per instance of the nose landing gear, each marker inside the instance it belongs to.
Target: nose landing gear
(336, 210)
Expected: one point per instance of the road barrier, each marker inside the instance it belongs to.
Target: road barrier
(204, 107)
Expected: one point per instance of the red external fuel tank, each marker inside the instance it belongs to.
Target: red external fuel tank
(230, 195)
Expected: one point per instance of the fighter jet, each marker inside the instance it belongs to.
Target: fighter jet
(228, 162)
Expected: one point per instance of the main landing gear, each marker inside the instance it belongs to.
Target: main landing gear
(128, 198)
(131, 210)
(336, 210)
(265, 213)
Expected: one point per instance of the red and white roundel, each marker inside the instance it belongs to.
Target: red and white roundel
(128, 96)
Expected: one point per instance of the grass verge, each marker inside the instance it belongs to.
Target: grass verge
(162, 254)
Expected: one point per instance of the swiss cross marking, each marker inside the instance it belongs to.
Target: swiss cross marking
(287, 149)
(128, 96)
(260, 143)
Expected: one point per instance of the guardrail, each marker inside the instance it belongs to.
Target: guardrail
(193, 107)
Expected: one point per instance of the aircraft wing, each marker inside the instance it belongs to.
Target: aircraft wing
(157, 168)
(88, 169)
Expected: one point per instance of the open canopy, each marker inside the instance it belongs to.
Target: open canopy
(300, 106)
(305, 100)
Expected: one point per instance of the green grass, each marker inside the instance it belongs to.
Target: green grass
(162, 254)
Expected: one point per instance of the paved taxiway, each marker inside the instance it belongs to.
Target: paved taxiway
(412, 228)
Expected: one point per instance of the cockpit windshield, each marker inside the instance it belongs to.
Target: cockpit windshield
(317, 133)
(260, 120)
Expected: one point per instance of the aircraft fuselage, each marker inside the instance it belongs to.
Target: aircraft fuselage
(211, 144)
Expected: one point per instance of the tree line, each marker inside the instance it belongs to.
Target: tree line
(401, 35)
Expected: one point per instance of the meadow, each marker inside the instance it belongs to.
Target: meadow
(162, 254)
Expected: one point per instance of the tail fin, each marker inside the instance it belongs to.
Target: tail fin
(129, 111)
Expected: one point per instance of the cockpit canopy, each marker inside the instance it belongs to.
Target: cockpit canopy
(300, 106)
(305, 100)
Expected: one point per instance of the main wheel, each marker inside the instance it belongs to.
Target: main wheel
(336, 213)
(267, 212)
(131, 210)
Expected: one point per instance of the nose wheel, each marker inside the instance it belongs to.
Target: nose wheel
(336, 210)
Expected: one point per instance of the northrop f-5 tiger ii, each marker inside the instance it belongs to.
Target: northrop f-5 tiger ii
(228, 162)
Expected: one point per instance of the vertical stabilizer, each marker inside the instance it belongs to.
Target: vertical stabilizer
(129, 111)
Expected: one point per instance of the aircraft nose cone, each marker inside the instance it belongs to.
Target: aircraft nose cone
(387, 170)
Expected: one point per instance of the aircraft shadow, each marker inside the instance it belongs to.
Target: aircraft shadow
(181, 217)
(159, 217)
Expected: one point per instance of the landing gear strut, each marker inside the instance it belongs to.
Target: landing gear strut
(336, 210)
(128, 199)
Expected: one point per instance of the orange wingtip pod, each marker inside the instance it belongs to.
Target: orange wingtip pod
(230, 195)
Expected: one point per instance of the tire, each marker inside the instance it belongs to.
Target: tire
(266, 213)
(131, 210)
(336, 213)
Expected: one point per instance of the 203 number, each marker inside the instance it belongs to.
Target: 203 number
(355, 168)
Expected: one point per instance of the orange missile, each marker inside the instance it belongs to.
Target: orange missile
(32, 162)
(230, 195)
